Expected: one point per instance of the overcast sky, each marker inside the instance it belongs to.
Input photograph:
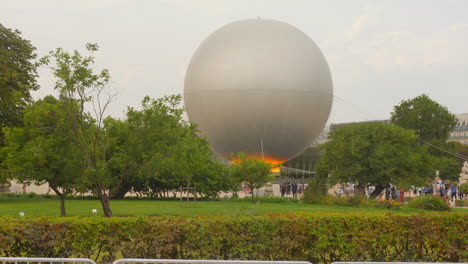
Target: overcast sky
(379, 52)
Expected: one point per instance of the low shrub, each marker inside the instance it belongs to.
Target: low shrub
(430, 202)
(388, 204)
(356, 200)
(264, 199)
(407, 199)
(461, 203)
(322, 238)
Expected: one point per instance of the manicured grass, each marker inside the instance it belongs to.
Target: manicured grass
(44, 206)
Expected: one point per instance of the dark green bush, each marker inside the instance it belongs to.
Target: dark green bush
(319, 238)
(316, 192)
(264, 199)
(407, 199)
(356, 200)
(430, 202)
(461, 203)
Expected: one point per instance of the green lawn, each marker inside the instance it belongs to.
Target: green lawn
(44, 206)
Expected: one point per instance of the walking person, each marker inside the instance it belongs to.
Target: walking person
(453, 193)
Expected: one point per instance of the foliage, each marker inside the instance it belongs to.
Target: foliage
(374, 154)
(448, 167)
(428, 118)
(316, 238)
(153, 151)
(266, 199)
(389, 204)
(86, 97)
(17, 79)
(39, 152)
(430, 202)
(463, 188)
(316, 192)
(17, 75)
(252, 171)
(461, 203)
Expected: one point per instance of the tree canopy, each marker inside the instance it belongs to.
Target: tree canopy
(255, 173)
(375, 154)
(429, 119)
(17, 75)
(38, 152)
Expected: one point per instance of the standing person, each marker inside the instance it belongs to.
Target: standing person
(402, 195)
(396, 194)
(453, 192)
(442, 190)
(282, 189)
(294, 190)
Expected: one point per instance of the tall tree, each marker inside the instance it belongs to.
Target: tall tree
(252, 171)
(17, 79)
(429, 119)
(86, 97)
(17, 75)
(38, 152)
(375, 154)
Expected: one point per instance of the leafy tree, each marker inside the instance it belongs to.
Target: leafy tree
(17, 78)
(143, 141)
(428, 118)
(191, 163)
(448, 167)
(85, 96)
(463, 188)
(39, 153)
(160, 152)
(17, 75)
(375, 154)
(252, 171)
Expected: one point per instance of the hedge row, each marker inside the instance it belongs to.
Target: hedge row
(318, 239)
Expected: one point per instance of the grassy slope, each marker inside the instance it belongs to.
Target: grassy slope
(41, 206)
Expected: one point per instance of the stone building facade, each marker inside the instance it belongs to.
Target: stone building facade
(460, 132)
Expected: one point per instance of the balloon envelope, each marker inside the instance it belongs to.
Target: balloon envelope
(261, 87)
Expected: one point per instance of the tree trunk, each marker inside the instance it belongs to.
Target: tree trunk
(104, 201)
(61, 196)
(377, 191)
(120, 193)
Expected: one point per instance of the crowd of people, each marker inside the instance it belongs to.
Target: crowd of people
(441, 188)
(449, 191)
(293, 188)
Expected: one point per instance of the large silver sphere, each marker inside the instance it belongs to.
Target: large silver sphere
(261, 87)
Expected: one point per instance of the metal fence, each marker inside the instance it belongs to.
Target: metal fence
(46, 260)
(374, 262)
(199, 261)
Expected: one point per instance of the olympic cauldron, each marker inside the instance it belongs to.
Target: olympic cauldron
(261, 87)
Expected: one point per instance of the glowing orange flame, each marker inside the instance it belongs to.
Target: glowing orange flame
(275, 162)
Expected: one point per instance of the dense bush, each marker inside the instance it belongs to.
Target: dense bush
(461, 203)
(430, 202)
(463, 187)
(316, 192)
(407, 199)
(315, 238)
(267, 199)
(387, 204)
